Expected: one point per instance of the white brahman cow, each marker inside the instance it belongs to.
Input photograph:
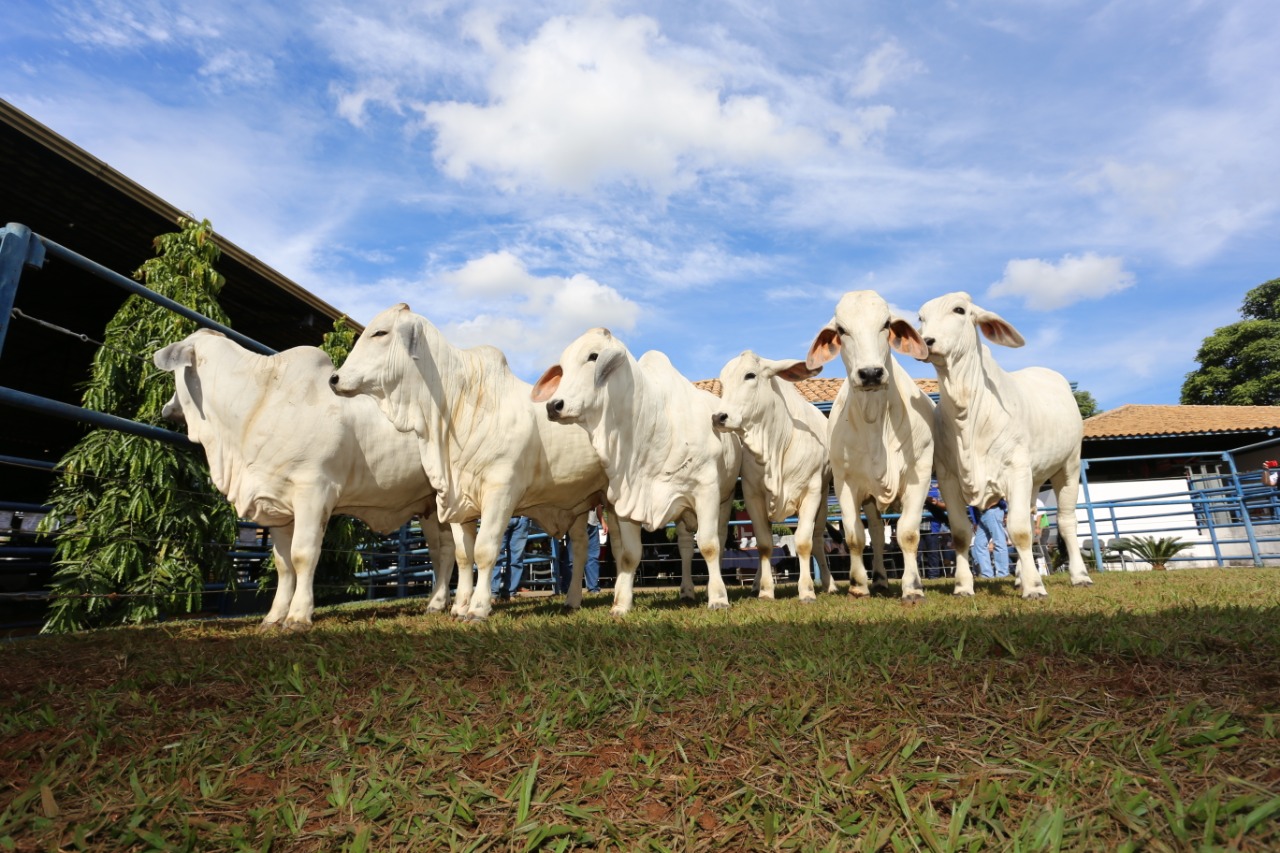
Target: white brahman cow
(486, 448)
(881, 434)
(651, 429)
(288, 455)
(785, 470)
(1000, 434)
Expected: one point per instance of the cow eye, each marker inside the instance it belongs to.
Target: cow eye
(959, 309)
(593, 356)
(886, 325)
(378, 334)
(840, 331)
(749, 376)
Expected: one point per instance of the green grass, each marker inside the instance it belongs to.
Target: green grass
(1140, 714)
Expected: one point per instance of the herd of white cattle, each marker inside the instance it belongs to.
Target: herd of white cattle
(412, 425)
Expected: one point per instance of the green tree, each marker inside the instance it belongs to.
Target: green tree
(139, 526)
(1240, 363)
(1088, 406)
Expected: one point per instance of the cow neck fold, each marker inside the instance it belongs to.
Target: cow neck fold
(972, 390)
(774, 441)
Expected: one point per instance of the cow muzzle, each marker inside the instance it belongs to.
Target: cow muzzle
(555, 409)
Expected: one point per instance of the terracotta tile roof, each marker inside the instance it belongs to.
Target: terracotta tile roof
(1138, 420)
(818, 390)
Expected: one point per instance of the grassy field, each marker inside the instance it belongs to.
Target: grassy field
(1140, 714)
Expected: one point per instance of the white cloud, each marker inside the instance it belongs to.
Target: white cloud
(886, 64)
(496, 300)
(599, 99)
(1045, 286)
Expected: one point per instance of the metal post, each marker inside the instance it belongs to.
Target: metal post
(1244, 510)
(19, 249)
(1088, 508)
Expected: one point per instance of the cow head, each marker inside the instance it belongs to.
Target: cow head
(180, 360)
(385, 351)
(746, 388)
(863, 332)
(949, 327)
(576, 388)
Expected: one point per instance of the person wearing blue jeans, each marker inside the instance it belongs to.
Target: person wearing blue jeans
(511, 556)
(931, 543)
(988, 527)
(564, 557)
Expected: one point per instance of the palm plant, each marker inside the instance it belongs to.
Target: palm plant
(1155, 551)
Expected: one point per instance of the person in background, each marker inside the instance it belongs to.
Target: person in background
(989, 541)
(511, 557)
(931, 543)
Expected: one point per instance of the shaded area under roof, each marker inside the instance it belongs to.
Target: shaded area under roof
(63, 193)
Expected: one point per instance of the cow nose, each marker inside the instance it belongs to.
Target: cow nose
(554, 408)
(871, 375)
(333, 380)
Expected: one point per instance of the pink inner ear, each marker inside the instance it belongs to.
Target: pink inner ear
(825, 347)
(547, 385)
(903, 338)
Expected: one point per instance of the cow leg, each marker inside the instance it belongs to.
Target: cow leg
(961, 532)
(806, 522)
(1066, 486)
(818, 536)
(465, 539)
(854, 539)
(441, 549)
(308, 535)
(708, 537)
(758, 512)
(578, 549)
(494, 518)
(875, 527)
(625, 539)
(909, 539)
(286, 580)
(1019, 520)
(684, 543)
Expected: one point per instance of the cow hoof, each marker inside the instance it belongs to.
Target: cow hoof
(718, 605)
(879, 587)
(439, 609)
(475, 617)
(912, 600)
(1035, 595)
(296, 627)
(1084, 582)
(618, 612)
(570, 608)
(766, 596)
(859, 592)
(809, 600)
(967, 592)
(269, 627)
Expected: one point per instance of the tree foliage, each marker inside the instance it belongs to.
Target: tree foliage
(1240, 363)
(139, 526)
(1087, 404)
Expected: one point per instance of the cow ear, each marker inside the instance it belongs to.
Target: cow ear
(792, 370)
(996, 329)
(181, 354)
(548, 384)
(904, 338)
(825, 347)
(607, 362)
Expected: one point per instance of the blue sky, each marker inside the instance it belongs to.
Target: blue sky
(705, 178)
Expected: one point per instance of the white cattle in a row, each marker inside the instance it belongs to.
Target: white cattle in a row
(289, 454)
(785, 471)
(489, 452)
(881, 433)
(651, 430)
(1000, 434)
